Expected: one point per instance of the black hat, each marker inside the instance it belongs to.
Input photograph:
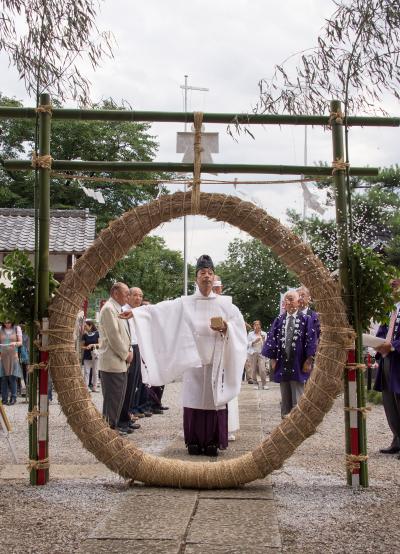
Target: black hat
(204, 262)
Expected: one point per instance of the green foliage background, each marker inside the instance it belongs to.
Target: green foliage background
(255, 277)
(18, 300)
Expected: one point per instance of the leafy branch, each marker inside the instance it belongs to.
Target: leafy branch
(356, 60)
(46, 39)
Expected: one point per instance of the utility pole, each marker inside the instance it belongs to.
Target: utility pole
(186, 87)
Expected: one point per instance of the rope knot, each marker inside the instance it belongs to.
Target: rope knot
(339, 165)
(336, 117)
(45, 108)
(43, 162)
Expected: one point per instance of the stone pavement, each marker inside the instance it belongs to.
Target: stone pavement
(169, 521)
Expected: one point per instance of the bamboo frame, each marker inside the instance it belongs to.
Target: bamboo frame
(263, 459)
(188, 117)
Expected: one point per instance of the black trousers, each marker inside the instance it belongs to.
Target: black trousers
(131, 385)
(391, 404)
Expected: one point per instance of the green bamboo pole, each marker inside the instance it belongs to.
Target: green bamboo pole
(343, 250)
(349, 292)
(183, 117)
(341, 209)
(44, 240)
(44, 209)
(69, 165)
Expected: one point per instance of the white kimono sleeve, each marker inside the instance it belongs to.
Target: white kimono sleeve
(166, 343)
(229, 358)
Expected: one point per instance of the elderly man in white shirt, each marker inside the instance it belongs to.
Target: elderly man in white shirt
(256, 361)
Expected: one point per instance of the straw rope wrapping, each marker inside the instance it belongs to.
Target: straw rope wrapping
(38, 464)
(121, 455)
(41, 161)
(45, 108)
(336, 117)
(198, 120)
(339, 165)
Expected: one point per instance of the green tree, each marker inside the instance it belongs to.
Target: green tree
(74, 139)
(376, 224)
(254, 277)
(17, 299)
(153, 267)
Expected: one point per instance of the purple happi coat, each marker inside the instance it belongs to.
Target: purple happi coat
(394, 357)
(305, 345)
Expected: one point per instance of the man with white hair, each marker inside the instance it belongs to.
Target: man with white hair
(291, 345)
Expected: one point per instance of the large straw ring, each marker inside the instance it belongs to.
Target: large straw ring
(120, 454)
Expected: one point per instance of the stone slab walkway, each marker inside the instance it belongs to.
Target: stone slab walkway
(167, 521)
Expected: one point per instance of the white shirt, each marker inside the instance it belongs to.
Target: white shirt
(255, 348)
(131, 323)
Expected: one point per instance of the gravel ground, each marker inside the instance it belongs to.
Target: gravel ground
(317, 512)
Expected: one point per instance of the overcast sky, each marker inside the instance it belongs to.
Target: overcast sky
(226, 46)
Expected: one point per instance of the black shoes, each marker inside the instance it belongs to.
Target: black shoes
(211, 450)
(164, 408)
(194, 450)
(12, 401)
(390, 450)
(133, 425)
(123, 431)
(157, 411)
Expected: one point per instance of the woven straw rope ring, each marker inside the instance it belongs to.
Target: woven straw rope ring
(121, 455)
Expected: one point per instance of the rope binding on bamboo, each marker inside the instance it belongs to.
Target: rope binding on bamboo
(38, 464)
(336, 117)
(353, 462)
(339, 165)
(34, 414)
(198, 121)
(44, 108)
(43, 162)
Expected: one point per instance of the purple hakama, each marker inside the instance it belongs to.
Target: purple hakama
(206, 427)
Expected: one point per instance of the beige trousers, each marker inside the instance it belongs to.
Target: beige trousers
(257, 365)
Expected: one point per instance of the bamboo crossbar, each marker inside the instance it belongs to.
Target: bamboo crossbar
(79, 165)
(182, 117)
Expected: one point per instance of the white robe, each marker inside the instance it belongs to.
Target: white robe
(175, 339)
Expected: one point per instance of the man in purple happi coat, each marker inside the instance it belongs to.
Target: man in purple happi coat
(291, 345)
(388, 375)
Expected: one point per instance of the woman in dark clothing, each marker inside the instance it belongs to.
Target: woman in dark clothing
(90, 344)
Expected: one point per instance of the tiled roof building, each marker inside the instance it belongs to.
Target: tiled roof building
(71, 232)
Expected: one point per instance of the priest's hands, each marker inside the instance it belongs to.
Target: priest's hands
(221, 329)
(126, 315)
(129, 357)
